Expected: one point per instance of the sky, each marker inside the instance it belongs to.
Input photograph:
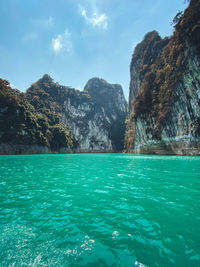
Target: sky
(75, 40)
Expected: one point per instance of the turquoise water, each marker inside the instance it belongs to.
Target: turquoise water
(99, 210)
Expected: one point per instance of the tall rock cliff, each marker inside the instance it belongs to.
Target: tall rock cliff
(145, 54)
(98, 120)
(164, 99)
(53, 118)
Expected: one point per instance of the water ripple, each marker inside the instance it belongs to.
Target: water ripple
(99, 209)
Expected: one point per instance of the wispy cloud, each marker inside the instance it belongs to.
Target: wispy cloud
(95, 19)
(62, 42)
(44, 22)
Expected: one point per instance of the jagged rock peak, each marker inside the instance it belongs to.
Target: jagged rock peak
(106, 94)
(150, 44)
(152, 35)
(45, 79)
(99, 84)
(101, 90)
(94, 82)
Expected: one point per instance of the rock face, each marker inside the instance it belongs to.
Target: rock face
(98, 121)
(53, 118)
(164, 99)
(145, 54)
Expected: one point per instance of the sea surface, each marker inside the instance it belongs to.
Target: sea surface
(99, 210)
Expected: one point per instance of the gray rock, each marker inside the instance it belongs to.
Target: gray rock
(164, 98)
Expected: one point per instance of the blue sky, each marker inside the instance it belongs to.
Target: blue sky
(75, 40)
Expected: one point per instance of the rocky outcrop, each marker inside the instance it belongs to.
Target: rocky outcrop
(98, 121)
(164, 100)
(51, 118)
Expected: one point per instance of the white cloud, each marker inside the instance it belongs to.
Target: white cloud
(57, 44)
(83, 13)
(96, 19)
(62, 42)
(102, 19)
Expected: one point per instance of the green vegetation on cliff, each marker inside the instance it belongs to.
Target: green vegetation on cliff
(25, 124)
(157, 89)
(162, 74)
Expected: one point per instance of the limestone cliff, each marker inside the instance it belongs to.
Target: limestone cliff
(145, 54)
(164, 100)
(98, 120)
(53, 118)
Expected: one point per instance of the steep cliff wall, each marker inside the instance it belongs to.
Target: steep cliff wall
(97, 121)
(164, 116)
(145, 54)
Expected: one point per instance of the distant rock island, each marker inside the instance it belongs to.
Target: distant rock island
(164, 98)
(51, 118)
